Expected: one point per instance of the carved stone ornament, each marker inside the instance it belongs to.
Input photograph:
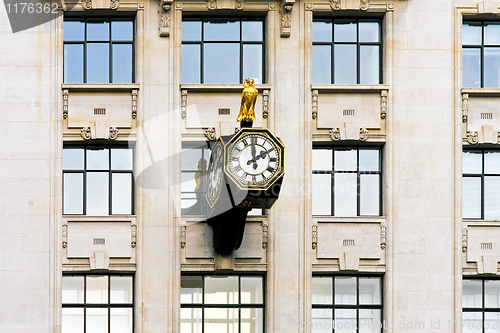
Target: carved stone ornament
(114, 4)
(286, 19)
(472, 137)
(315, 104)
(133, 236)
(383, 104)
(465, 107)
(113, 133)
(183, 236)
(335, 4)
(465, 237)
(164, 18)
(335, 134)
(363, 4)
(265, 235)
(314, 236)
(210, 133)
(239, 4)
(64, 236)
(184, 96)
(65, 103)
(383, 243)
(363, 134)
(265, 104)
(87, 4)
(212, 4)
(498, 137)
(390, 7)
(134, 104)
(86, 133)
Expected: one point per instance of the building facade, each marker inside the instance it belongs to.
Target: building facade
(388, 215)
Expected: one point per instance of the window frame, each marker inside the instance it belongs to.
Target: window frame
(380, 44)
(483, 309)
(110, 172)
(241, 43)
(358, 178)
(110, 42)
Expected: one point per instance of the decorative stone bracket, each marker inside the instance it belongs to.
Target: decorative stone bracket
(65, 236)
(218, 4)
(265, 235)
(383, 104)
(464, 240)
(164, 13)
(133, 236)
(286, 19)
(465, 107)
(183, 236)
(210, 134)
(472, 137)
(65, 103)
(383, 242)
(314, 236)
(184, 95)
(315, 104)
(113, 4)
(265, 104)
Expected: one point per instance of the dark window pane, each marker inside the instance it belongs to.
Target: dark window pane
(121, 201)
(97, 193)
(369, 32)
(492, 34)
(98, 159)
(221, 63)
(73, 193)
(252, 62)
(221, 30)
(471, 34)
(322, 31)
(122, 63)
(97, 63)
(369, 64)
(97, 30)
(73, 63)
(121, 159)
(345, 194)
(74, 30)
(191, 63)
(472, 161)
(73, 159)
(345, 31)
(491, 67)
(369, 201)
(322, 62)
(471, 197)
(252, 31)
(471, 67)
(122, 30)
(191, 30)
(345, 64)
(491, 198)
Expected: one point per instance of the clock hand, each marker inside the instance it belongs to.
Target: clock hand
(252, 140)
(262, 154)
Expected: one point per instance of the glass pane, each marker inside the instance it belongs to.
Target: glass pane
(322, 159)
(73, 158)
(97, 193)
(369, 192)
(191, 30)
(322, 290)
(471, 67)
(472, 161)
(491, 162)
(221, 320)
(472, 294)
(322, 31)
(491, 322)
(74, 30)
(321, 194)
(471, 197)
(252, 320)
(221, 290)
(73, 63)
(221, 63)
(191, 158)
(252, 62)
(251, 290)
(369, 71)
(191, 289)
(345, 320)
(221, 30)
(97, 63)
(121, 320)
(492, 67)
(322, 64)
(122, 63)
(98, 159)
(322, 320)
(345, 66)
(472, 34)
(472, 322)
(191, 72)
(345, 194)
(252, 31)
(122, 30)
(188, 200)
(97, 289)
(72, 289)
(492, 293)
(492, 34)
(96, 320)
(491, 198)
(121, 159)
(369, 160)
(345, 290)
(369, 290)
(73, 193)
(121, 200)
(97, 30)
(369, 32)
(345, 31)
(72, 320)
(121, 289)
(189, 181)
(370, 321)
(191, 320)
(345, 160)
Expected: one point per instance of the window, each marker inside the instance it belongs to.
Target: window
(481, 305)
(222, 304)
(481, 184)
(481, 54)
(346, 181)
(346, 304)
(97, 304)
(98, 50)
(347, 51)
(97, 180)
(222, 50)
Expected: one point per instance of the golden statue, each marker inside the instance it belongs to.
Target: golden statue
(248, 98)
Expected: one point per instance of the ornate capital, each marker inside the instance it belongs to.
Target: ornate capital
(363, 134)
(335, 134)
(472, 137)
(86, 133)
(286, 19)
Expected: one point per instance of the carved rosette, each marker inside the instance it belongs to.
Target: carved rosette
(465, 107)
(113, 133)
(64, 236)
(265, 104)
(363, 134)
(465, 237)
(210, 134)
(134, 104)
(363, 4)
(286, 19)
(87, 4)
(114, 4)
(183, 236)
(212, 4)
(239, 4)
(65, 103)
(335, 134)
(265, 235)
(383, 104)
(86, 133)
(184, 96)
(472, 137)
(315, 104)
(133, 236)
(383, 243)
(335, 4)
(314, 236)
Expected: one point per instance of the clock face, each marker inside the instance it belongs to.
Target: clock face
(254, 159)
(215, 174)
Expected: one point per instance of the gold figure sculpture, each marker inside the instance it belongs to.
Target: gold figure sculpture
(248, 98)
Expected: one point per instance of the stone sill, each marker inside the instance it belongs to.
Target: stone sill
(100, 87)
(349, 88)
(220, 87)
(195, 218)
(97, 219)
(357, 219)
(481, 223)
(482, 92)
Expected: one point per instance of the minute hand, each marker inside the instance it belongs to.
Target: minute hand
(262, 154)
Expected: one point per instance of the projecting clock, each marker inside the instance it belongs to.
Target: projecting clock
(215, 173)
